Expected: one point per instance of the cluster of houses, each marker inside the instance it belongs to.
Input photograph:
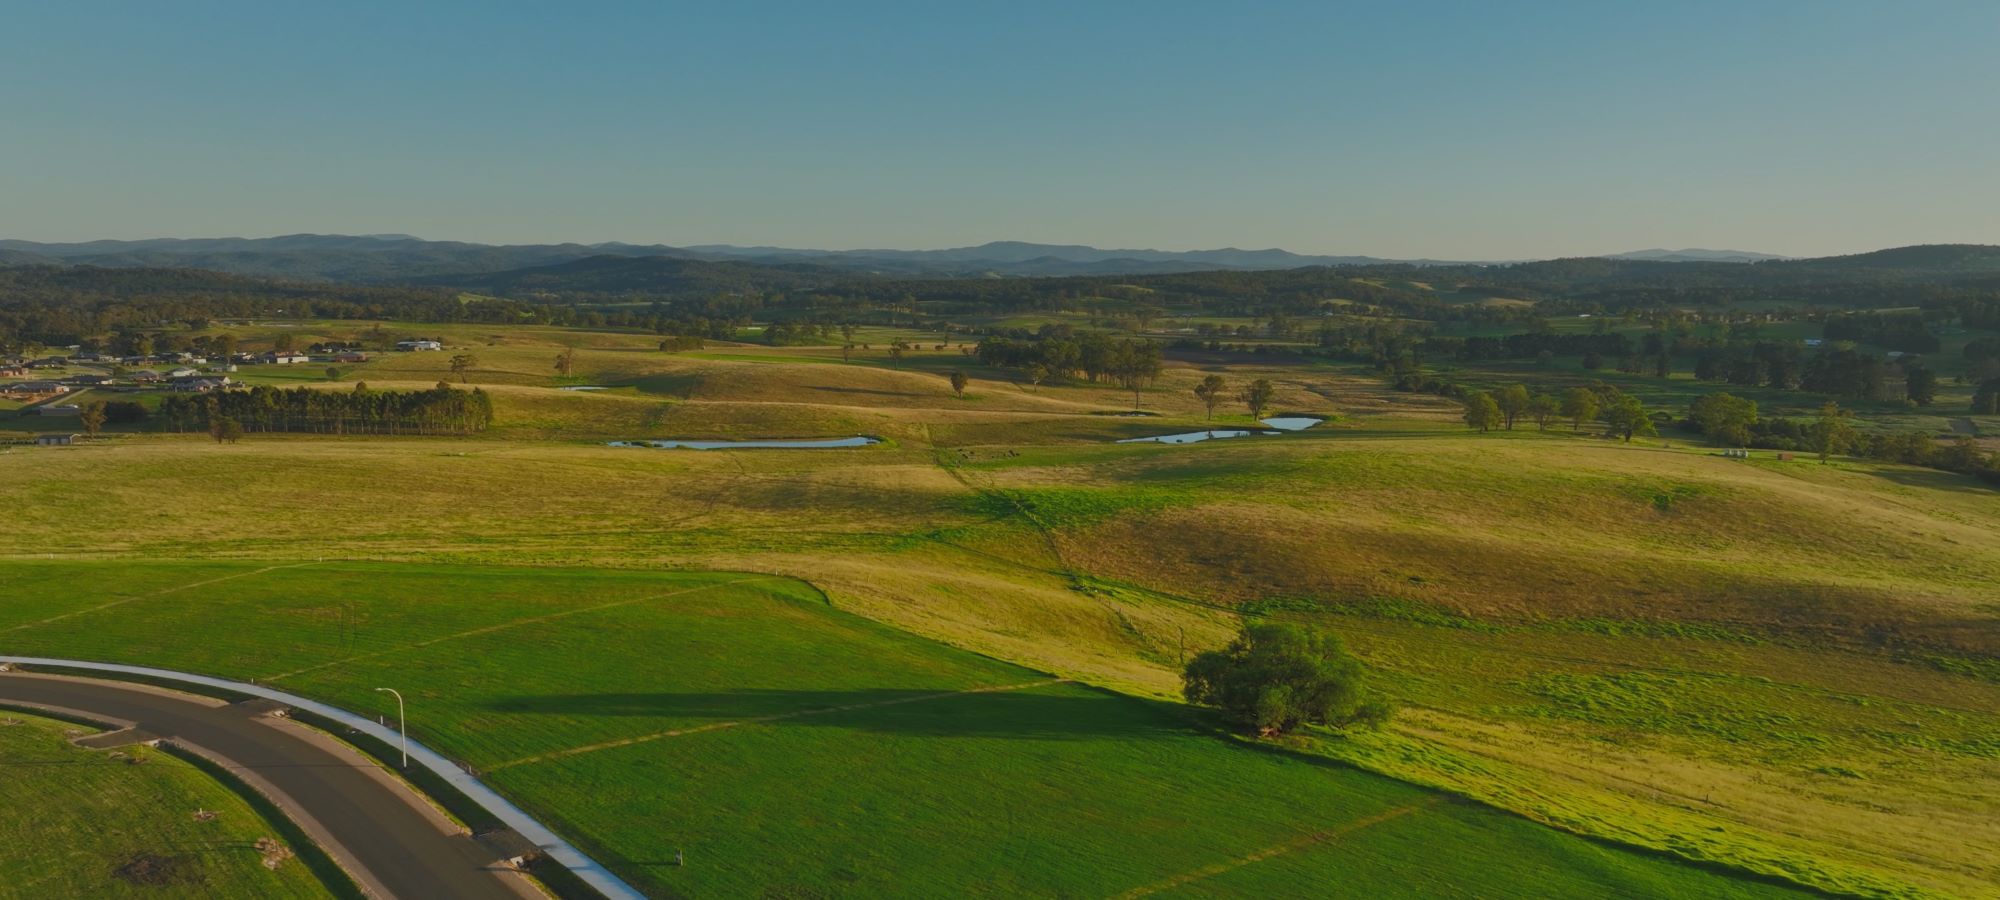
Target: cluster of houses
(17, 366)
(176, 371)
(183, 380)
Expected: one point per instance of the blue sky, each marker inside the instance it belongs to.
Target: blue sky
(1461, 130)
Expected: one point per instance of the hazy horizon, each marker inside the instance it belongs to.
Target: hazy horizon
(1566, 129)
(1109, 247)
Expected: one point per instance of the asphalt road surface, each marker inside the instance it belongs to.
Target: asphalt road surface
(368, 822)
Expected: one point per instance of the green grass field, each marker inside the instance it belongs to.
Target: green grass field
(789, 748)
(95, 823)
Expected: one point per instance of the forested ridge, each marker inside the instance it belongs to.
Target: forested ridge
(55, 305)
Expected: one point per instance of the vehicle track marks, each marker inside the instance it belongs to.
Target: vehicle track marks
(503, 626)
(159, 593)
(1296, 844)
(718, 726)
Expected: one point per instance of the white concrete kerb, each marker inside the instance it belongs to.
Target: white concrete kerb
(592, 873)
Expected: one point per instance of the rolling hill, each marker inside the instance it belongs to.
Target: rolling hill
(329, 257)
(649, 275)
(1696, 254)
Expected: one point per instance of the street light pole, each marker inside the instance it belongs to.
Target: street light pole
(402, 724)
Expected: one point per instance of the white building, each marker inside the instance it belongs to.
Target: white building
(202, 384)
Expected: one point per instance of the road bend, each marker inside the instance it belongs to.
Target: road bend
(391, 841)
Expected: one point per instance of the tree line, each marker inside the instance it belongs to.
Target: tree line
(1728, 421)
(1837, 370)
(443, 410)
(1132, 362)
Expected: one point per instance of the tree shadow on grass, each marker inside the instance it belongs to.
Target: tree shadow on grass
(681, 386)
(1075, 713)
(867, 391)
(1066, 712)
(1935, 479)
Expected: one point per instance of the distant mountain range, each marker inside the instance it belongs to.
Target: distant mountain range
(353, 269)
(393, 257)
(403, 259)
(320, 257)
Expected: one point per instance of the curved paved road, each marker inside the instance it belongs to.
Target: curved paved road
(382, 833)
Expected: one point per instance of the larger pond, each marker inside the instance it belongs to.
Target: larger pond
(1281, 423)
(821, 444)
(1193, 436)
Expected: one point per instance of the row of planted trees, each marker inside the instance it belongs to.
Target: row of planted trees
(443, 410)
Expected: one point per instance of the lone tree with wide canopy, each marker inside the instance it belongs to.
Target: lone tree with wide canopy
(1276, 677)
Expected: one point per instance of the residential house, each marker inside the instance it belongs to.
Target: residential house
(202, 384)
(12, 371)
(284, 357)
(58, 409)
(183, 373)
(350, 356)
(418, 345)
(148, 376)
(90, 380)
(36, 388)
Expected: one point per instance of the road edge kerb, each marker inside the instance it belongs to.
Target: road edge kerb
(589, 871)
(299, 815)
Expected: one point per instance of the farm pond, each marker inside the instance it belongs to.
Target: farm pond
(1282, 424)
(807, 444)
